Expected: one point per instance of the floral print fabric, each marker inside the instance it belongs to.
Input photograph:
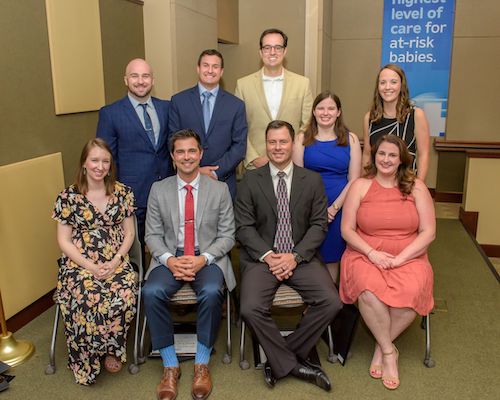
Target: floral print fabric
(97, 313)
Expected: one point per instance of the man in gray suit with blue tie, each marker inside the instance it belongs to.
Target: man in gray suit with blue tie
(136, 129)
(189, 232)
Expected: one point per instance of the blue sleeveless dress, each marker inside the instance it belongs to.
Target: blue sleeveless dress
(332, 162)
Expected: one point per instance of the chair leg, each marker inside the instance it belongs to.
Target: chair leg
(428, 361)
(331, 355)
(226, 359)
(134, 367)
(243, 361)
(51, 368)
(142, 358)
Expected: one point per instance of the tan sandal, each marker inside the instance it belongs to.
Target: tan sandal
(112, 364)
(375, 371)
(391, 382)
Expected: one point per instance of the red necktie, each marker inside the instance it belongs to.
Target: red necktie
(189, 222)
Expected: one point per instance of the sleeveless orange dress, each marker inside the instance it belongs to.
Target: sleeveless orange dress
(388, 222)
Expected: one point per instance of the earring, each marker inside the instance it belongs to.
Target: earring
(109, 173)
(84, 171)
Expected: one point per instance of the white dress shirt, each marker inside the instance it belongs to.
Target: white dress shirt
(273, 89)
(181, 190)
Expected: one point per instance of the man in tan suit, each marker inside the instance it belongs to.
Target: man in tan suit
(272, 93)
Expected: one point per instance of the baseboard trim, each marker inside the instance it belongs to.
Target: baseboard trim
(29, 313)
(447, 197)
(469, 220)
(491, 250)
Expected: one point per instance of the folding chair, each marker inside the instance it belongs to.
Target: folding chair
(186, 296)
(135, 257)
(285, 297)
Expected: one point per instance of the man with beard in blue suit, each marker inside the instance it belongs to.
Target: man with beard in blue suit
(217, 116)
(136, 129)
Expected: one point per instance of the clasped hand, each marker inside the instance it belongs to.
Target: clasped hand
(103, 271)
(281, 265)
(384, 260)
(185, 268)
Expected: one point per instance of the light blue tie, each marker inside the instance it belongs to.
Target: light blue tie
(205, 106)
(148, 125)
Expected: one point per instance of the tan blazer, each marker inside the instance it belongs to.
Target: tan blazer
(295, 108)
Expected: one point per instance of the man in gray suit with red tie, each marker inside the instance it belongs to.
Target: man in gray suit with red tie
(281, 219)
(189, 231)
(136, 129)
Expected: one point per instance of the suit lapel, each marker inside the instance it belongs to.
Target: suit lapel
(201, 203)
(286, 84)
(194, 96)
(261, 95)
(297, 183)
(266, 184)
(172, 204)
(162, 136)
(219, 100)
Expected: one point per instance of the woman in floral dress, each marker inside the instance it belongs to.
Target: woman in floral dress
(96, 286)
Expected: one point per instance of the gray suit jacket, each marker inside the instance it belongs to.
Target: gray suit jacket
(256, 213)
(214, 222)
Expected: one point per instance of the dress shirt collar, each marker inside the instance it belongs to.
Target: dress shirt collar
(195, 183)
(136, 103)
(288, 170)
(202, 89)
(266, 78)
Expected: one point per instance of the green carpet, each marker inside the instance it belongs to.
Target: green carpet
(465, 346)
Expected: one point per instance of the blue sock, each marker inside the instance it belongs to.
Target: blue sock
(202, 354)
(169, 357)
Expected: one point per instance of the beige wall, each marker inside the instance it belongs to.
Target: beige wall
(481, 194)
(30, 129)
(176, 32)
(474, 83)
(255, 16)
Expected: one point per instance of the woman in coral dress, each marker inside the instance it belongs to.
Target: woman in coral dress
(96, 286)
(388, 223)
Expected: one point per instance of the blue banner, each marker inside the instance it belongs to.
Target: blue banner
(418, 36)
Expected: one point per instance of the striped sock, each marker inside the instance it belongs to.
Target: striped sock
(202, 354)
(169, 357)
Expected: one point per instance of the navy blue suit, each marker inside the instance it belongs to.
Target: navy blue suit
(138, 163)
(225, 142)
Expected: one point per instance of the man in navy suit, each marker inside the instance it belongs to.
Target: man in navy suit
(136, 129)
(217, 116)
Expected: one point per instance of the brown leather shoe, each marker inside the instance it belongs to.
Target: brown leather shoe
(202, 384)
(167, 389)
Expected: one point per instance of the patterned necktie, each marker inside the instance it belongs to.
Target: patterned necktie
(283, 241)
(205, 106)
(189, 222)
(148, 125)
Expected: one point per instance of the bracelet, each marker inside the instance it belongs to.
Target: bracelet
(368, 254)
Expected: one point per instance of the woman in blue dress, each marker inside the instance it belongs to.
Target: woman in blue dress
(326, 146)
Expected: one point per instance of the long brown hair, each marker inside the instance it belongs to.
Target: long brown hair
(405, 176)
(339, 128)
(81, 183)
(404, 105)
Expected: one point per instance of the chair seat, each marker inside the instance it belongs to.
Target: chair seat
(184, 296)
(287, 297)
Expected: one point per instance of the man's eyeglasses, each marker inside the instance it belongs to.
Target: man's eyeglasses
(278, 48)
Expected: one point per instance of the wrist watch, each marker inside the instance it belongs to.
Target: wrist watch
(298, 258)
